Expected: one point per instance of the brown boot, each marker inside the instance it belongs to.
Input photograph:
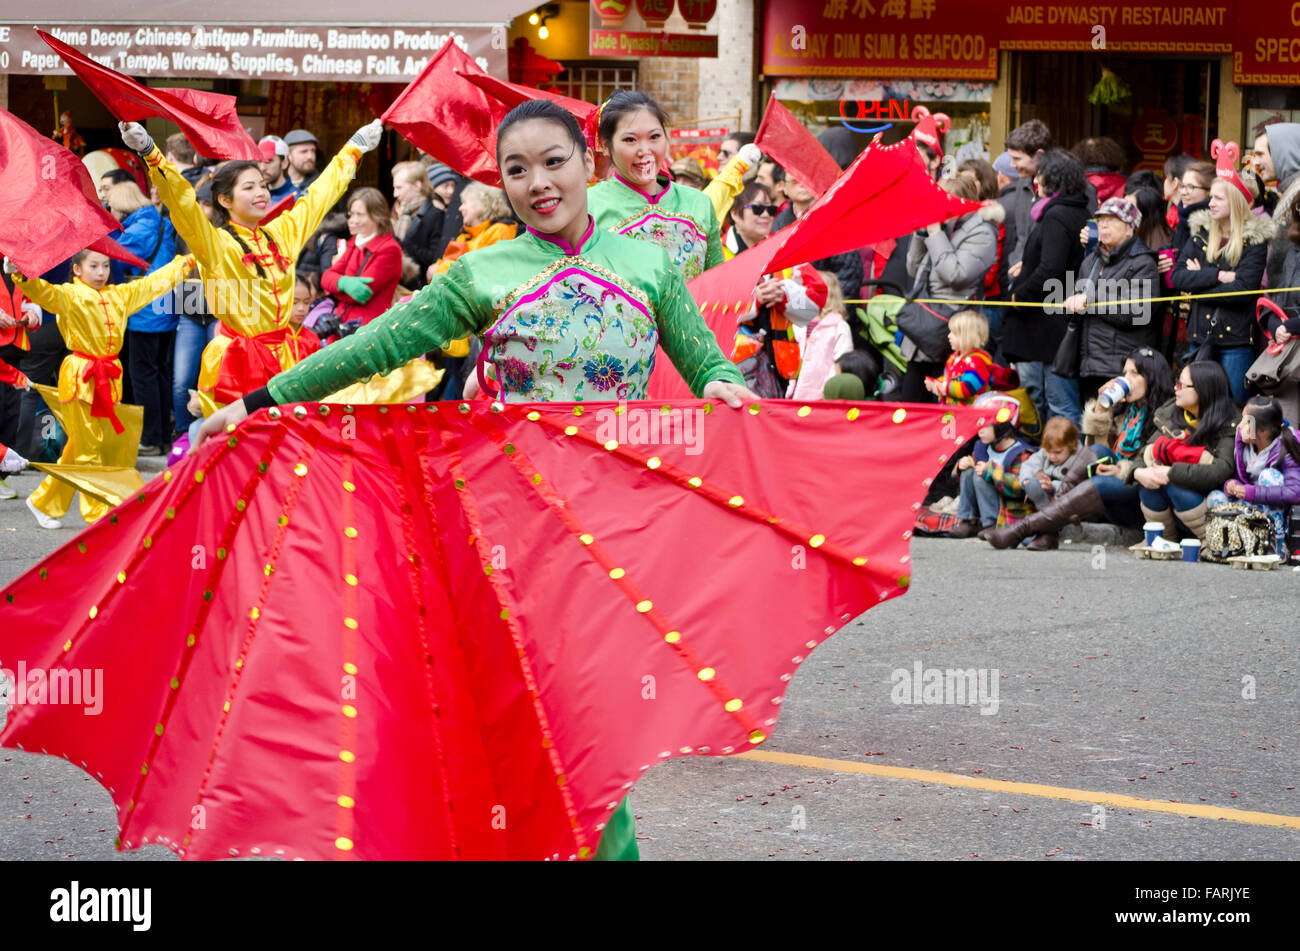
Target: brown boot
(964, 528)
(1045, 541)
(1194, 520)
(1075, 505)
(1078, 470)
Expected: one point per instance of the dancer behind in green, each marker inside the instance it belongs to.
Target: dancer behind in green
(639, 202)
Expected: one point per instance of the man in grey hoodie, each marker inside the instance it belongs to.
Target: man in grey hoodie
(1277, 157)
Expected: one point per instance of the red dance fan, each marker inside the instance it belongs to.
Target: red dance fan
(430, 632)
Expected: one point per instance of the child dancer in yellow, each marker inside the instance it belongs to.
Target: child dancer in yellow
(92, 319)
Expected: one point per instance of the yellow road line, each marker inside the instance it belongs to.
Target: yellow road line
(1197, 810)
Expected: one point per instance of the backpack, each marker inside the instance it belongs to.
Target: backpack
(1234, 529)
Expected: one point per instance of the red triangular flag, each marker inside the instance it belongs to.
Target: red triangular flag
(514, 94)
(48, 204)
(789, 143)
(885, 193)
(207, 119)
(449, 117)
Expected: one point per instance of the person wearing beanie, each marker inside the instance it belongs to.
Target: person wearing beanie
(844, 386)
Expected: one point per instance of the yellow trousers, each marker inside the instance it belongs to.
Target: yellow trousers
(86, 438)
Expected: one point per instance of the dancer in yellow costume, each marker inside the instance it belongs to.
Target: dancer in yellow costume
(92, 319)
(247, 267)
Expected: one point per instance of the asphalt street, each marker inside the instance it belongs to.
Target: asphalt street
(1132, 710)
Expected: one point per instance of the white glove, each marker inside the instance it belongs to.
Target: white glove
(136, 139)
(750, 155)
(9, 267)
(33, 314)
(368, 136)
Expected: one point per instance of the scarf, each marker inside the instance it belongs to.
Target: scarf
(1257, 460)
(1036, 210)
(1130, 435)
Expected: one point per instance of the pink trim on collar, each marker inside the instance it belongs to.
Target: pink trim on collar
(653, 199)
(563, 245)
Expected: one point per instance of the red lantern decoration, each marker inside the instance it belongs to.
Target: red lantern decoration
(698, 13)
(611, 12)
(655, 13)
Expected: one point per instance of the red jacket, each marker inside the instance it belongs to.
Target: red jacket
(380, 259)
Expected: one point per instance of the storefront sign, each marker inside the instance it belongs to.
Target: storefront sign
(626, 44)
(336, 54)
(889, 38)
(1266, 47)
(1126, 26)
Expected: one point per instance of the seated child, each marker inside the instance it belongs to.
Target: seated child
(990, 478)
(862, 364)
(1267, 474)
(968, 371)
(1043, 472)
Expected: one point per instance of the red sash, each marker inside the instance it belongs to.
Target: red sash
(105, 370)
(248, 363)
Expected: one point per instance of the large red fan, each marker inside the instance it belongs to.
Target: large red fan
(459, 631)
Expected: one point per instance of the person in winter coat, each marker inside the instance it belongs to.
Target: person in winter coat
(364, 277)
(1193, 196)
(990, 477)
(821, 344)
(1120, 433)
(418, 224)
(1044, 473)
(948, 261)
(1102, 160)
(1267, 459)
(1121, 269)
(1288, 394)
(150, 331)
(847, 267)
(1276, 157)
(1191, 450)
(1031, 337)
(1228, 251)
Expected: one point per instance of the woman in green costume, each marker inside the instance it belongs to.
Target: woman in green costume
(636, 200)
(567, 311)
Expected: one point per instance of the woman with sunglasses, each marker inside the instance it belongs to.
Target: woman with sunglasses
(752, 214)
(1098, 484)
(638, 201)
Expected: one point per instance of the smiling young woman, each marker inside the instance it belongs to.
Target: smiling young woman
(567, 312)
(250, 265)
(640, 202)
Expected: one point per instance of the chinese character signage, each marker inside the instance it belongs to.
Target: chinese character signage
(896, 38)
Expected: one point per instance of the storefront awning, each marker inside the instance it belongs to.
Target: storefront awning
(320, 40)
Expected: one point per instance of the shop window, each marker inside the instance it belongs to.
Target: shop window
(594, 82)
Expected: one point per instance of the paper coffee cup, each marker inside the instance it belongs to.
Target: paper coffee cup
(1153, 531)
(1191, 550)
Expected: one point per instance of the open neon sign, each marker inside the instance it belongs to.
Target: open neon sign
(874, 109)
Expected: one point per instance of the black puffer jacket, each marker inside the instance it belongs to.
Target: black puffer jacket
(1109, 335)
(1052, 250)
(1223, 321)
